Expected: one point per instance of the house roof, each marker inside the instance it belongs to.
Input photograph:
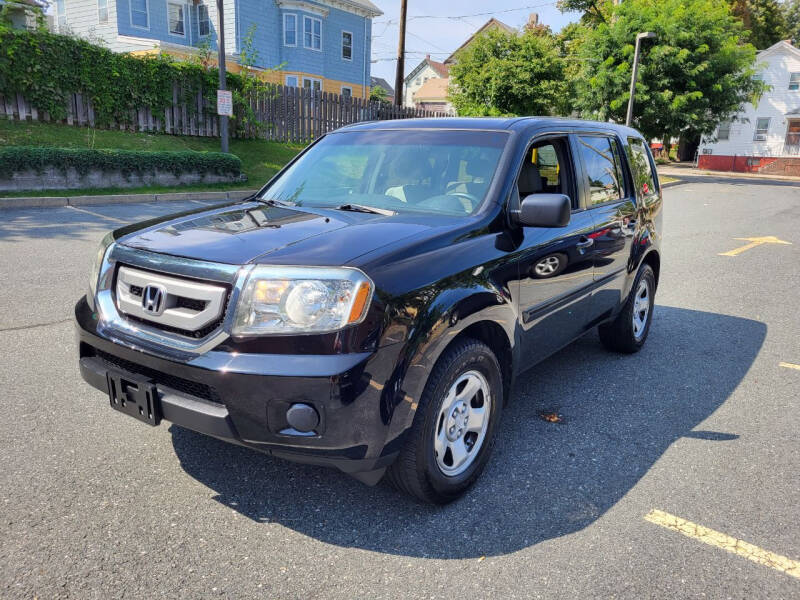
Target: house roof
(489, 25)
(785, 45)
(381, 83)
(365, 5)
(433, 90)
(441, 69)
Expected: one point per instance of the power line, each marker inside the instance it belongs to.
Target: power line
(482, 14)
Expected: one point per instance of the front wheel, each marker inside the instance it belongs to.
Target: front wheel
(451, 437)
(628, 332)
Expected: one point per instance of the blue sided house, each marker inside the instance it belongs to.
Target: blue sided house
(319, 44)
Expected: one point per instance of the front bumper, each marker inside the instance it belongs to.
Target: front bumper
(243, 398)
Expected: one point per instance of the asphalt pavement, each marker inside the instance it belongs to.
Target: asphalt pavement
(702, 424)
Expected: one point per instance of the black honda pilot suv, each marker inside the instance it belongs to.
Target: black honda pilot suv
(369, 308)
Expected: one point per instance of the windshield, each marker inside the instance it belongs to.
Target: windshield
(440, 172)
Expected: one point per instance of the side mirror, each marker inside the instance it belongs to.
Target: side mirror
(545, 210)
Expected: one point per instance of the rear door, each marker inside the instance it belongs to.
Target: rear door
(555, 269)
(611, 202)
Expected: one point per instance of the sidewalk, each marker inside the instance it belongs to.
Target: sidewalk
(687, 170)
(57, 201)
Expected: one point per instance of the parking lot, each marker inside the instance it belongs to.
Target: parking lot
(699, 430)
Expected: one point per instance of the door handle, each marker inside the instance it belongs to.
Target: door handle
(584, 243)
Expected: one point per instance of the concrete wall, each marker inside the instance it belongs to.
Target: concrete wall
(54, 179)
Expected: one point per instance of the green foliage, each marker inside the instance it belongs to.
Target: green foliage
(594, 11)
(378, 94)
(23, 158)
(791, 15)
(502, 73)
(694, 75)
(46, 68)
(764, 19)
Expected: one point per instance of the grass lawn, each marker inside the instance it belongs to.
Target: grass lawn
(260, 159)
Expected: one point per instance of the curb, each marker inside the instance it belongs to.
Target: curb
(61, 201)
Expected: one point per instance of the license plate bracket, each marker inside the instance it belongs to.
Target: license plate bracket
(135, 396)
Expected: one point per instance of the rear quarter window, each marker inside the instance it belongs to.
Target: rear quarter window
(644, 180)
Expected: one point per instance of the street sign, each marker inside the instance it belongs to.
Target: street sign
(224, 103)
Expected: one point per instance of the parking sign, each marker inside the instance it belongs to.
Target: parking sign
(224, 103)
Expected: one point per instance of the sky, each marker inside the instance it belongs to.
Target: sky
(439, 27)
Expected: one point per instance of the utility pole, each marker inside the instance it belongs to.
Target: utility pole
(642, 36)
(401, 55)
(223, 119)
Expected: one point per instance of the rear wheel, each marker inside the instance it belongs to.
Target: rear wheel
(450, 439)
(628, 332)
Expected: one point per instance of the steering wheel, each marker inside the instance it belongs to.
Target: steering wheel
(473, 200)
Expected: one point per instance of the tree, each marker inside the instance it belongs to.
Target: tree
(791, 15)
(504, 73)
(378, 94)
(694, 75)
(594, 11)
(764, 19)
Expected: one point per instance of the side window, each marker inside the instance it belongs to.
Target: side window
(546, 169)
(642, 168)
(602, 172)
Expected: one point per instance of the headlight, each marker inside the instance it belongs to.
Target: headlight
(98, 263)
(301, 300)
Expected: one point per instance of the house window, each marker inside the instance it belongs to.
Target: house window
(175, 12)
(724, 131)
(140, 14)
(203, 22)
(290, 30)
(794, 81)
(312, 33)
(347, 92)
(762, 128)
(61, 13)
(311, 83)
(347, 45)
(291, 80)
(102, 11)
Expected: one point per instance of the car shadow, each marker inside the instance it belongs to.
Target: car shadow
(620, 413)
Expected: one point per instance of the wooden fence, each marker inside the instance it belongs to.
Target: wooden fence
(286, 114)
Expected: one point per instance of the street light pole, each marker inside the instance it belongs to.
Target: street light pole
(642, 36)
(223, 119)
(401, 56)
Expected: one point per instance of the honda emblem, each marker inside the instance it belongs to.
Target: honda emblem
(154, 299)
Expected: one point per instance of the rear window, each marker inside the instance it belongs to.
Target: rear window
(644, 181)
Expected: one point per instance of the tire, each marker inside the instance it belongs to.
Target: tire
(420, 468)
(626, 333)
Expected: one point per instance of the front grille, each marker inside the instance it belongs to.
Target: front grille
(195, 305)
(186, 386)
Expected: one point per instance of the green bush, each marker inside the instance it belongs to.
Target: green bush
(46, 68)
(128, 162)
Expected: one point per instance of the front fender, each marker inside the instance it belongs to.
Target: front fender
(448, 310)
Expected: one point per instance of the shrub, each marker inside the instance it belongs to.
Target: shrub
(23, 158)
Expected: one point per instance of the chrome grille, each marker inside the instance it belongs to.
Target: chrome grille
(183, 306)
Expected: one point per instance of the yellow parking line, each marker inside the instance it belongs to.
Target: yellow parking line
(754, 241)
(726, 542)
(789, 365)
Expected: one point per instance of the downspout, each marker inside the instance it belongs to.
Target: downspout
(364, 80)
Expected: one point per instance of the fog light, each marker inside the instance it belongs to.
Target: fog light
(302, 417)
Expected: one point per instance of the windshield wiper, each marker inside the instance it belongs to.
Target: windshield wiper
(273, 202)
(367, 209)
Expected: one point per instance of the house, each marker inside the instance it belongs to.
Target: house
(427, 69)
(21, 14)
(427, 85)
(318, 44)
(380, 82)
(764, 138)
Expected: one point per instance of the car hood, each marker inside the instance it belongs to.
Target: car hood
(261, 233)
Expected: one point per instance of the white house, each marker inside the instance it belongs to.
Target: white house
(763, 138)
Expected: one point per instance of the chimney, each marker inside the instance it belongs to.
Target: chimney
(427, 57)
(533, 20)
